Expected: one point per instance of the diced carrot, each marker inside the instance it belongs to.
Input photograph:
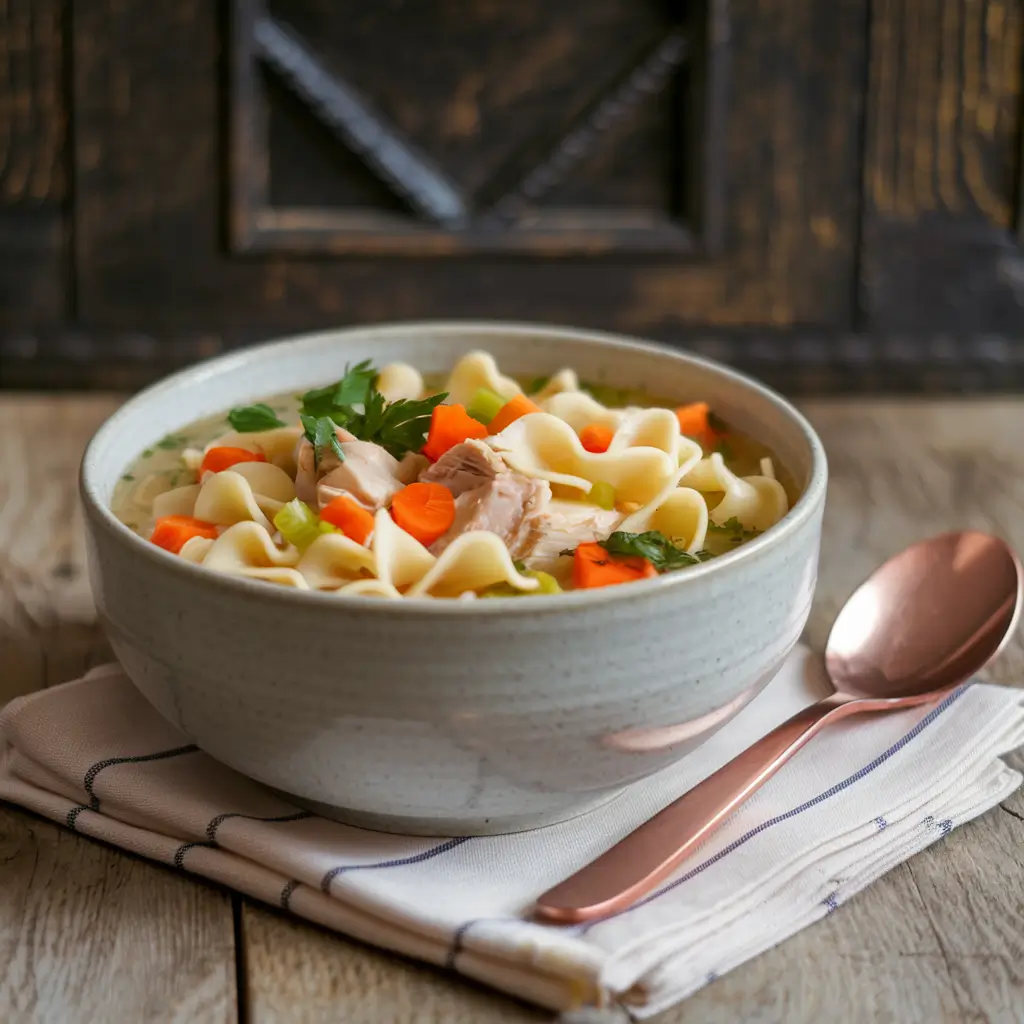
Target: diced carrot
(596, 438)
(218, 459)
(593, 567)
(348, 516)
(693, 420)
(425, 511)
(450, 425)
(171, 532)
(515, 407)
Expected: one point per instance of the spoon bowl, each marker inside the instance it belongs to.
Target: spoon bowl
(926, 621)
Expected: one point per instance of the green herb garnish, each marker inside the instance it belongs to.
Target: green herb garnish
(356, 405)
(658, 549)
(321, 433)
(128, 477)
(248, 419)
(733, 530)
(147, 453)
(398, 427)
(536, 384)
(353, 389)
(171, 441)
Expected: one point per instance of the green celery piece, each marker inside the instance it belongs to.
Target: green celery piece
(603, 495)
(485, 405)
(298, 524)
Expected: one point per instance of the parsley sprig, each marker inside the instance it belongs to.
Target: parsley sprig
(248, 419)
(355, 404)
(658, 549)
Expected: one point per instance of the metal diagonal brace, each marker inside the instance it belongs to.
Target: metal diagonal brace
(351, 117)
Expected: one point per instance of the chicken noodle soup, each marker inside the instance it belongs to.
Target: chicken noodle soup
(477, 486)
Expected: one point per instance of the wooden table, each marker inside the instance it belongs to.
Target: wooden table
(91, 934)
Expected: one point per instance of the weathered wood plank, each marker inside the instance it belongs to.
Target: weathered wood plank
(938, 939)
(91, 934)
(86, 932)
(943, 167)
(304, 974)
(149, 204)
(34, 280)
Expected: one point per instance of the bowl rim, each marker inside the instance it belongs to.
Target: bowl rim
(101, 516)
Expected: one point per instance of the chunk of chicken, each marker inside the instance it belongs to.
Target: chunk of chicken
(510, 506)
(564, 526)
(465, 467)
(369, 474)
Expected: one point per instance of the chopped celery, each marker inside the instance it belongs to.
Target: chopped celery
(603, 495)
(298, 524)
(325, 527)
(548, 585)
(485, 405)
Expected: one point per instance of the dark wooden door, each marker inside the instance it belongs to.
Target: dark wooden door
(629, 164)
(829, 194)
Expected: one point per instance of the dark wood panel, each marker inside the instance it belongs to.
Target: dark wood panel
(796, 363)
(151, 205)
(943, 167)
(34, 280)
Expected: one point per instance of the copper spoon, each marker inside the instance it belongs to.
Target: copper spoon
(925, 622)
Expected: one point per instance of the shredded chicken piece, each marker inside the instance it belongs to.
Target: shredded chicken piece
(564, 526)
(465, 467)
(510, 505)
(368, 474)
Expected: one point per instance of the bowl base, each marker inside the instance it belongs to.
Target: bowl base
(442, 827)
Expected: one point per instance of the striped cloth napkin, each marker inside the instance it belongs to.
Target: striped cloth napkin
(94, 756)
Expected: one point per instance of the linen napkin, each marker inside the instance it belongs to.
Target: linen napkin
(858, 800)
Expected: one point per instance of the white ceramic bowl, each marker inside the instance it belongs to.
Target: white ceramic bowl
(444, 717)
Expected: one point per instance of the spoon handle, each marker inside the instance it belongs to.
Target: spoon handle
(635, 865)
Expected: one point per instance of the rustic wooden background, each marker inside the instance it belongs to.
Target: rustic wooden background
(827, 194)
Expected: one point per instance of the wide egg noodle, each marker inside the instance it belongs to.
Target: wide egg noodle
(543, 446)
(179, 502)
(399, 558)
(400, 381)
(756, 502)
(278, 445)
(333, 560)
(477, 370)
(563, 381)
(369, 588)
(471, 562)
(681, 515)
(247, 491)
(580, 410)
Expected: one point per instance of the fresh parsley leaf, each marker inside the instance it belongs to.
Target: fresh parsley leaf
(171, 441)
(147, 453)
(655, 547)
(520, 565)
(733, 530)
(335, 400)
(398, 427)
(247, 419)
(536, 384)
(570, 552)
(320, 432)
(128, 477)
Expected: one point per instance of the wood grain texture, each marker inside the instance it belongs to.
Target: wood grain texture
(86, 933)
(91, 934)
(34, 281)
(149, 211)
(943, 167)
(937, 940)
